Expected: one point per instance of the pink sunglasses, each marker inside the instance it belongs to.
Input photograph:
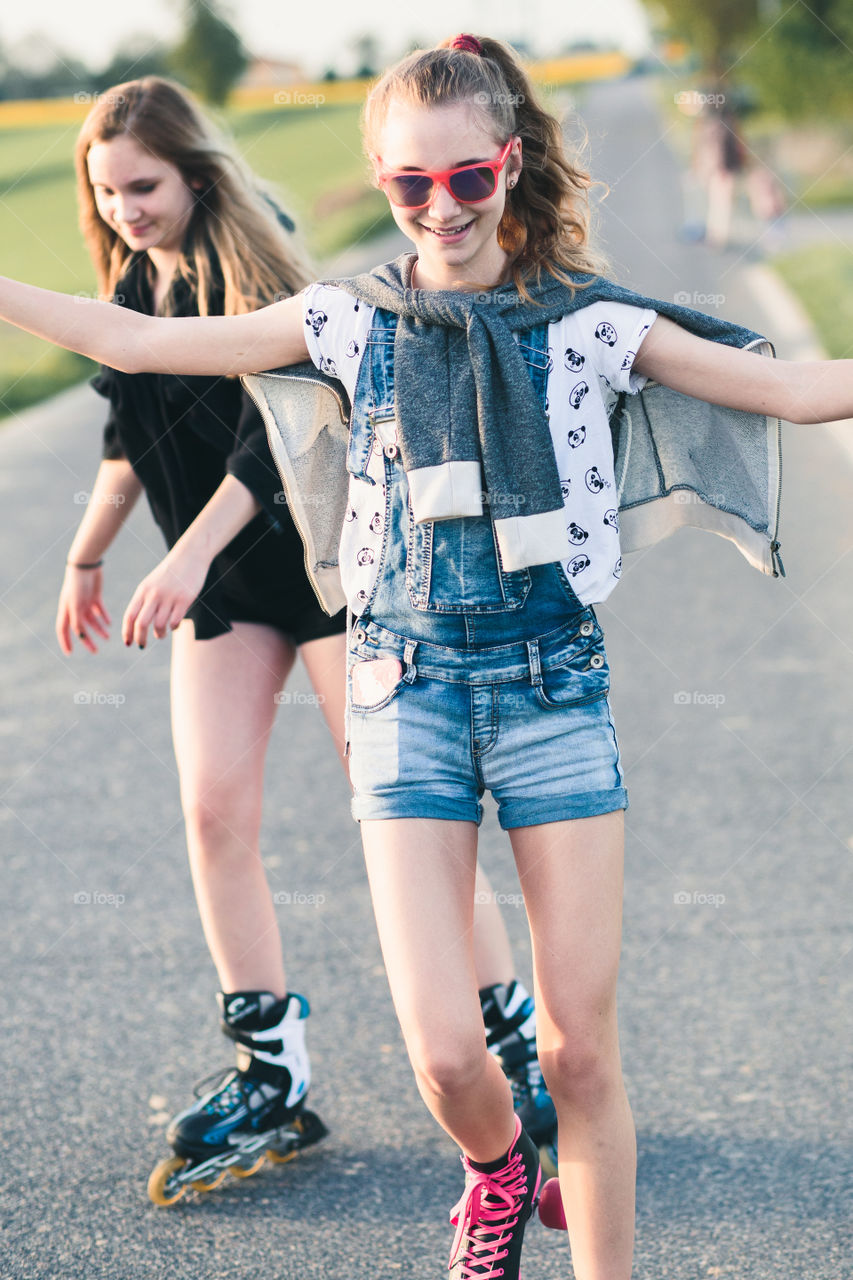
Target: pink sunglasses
(467, 183)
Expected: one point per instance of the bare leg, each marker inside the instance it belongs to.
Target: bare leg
(326, 663)
(223, 706)
(421, 876)
(492, 952)
(571, 874)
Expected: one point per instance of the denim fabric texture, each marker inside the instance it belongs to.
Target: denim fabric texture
(464, 677)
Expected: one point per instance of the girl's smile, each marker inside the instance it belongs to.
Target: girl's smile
(457, 243)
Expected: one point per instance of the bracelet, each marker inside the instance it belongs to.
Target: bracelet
(95, 564)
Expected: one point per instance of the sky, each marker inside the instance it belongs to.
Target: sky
(322, 33)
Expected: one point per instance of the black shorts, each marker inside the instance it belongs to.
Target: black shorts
(260, 577)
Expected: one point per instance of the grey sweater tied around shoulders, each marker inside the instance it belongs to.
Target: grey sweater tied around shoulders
(470, 417)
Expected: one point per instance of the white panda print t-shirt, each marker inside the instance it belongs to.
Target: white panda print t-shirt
(592, 352)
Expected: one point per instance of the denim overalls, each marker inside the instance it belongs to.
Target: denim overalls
(485, 679)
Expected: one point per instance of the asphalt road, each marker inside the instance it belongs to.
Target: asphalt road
(734, 700)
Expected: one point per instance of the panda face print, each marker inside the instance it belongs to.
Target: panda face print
(317, 320)
(352, 348)
(577, 394)
(611, 519)
(361, 596)
(578, 565)
(565, 488)
(628, 359)
(351, 515)
(550, 365)
(365, 556)
(577, 535)
(376, 523)
(327, 365)
(577, 437)
(594, 481)
(617, 568)
(606, 333)
(573, 360)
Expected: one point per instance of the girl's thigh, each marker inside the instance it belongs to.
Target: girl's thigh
(571, 874)
(326, 663)
(421, 873)
(224, 701)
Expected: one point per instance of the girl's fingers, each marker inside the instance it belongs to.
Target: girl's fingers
(101, 608)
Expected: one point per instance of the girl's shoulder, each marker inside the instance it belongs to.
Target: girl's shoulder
(601, 336)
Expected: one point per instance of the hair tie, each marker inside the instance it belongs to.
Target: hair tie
(468, 44)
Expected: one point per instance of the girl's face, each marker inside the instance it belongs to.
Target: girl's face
(144, 199)
(457, 243)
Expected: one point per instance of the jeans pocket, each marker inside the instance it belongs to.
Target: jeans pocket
(576, 676)
(374, 682)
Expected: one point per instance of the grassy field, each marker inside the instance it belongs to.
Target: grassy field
(822, 278)
(312, 156)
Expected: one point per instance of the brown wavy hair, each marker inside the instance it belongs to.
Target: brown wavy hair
(546, 220)
(234, 238)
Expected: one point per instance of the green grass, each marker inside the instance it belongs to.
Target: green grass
(822, 278)
(312, 157)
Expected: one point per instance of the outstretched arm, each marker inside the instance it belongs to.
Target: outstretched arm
(136, 343)
(796, 390)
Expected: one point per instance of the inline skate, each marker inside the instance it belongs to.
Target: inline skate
(510, 1018)
(254, 1111)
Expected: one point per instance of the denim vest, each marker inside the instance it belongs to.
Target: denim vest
(678, 460)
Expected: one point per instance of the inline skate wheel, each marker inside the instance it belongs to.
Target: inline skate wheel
(246, 1171)
(281, 1157)
(551, 1211)
(159, 1190)
(208, 1184)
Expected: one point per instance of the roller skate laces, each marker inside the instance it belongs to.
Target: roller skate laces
(491, 1215)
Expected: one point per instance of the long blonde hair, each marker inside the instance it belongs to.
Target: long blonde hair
(546, 220)
(234, 236)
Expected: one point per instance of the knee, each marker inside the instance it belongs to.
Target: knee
(447, 1068)
(581, 1067)
(218, 812)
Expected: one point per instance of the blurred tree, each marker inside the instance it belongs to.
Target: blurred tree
(210, 57)
(715, 29)
(366, 56)
(137, 57)
(802, 65)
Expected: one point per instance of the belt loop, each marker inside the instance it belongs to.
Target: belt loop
(408, 654)
(535, 663)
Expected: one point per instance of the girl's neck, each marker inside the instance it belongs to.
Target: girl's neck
(164, 263)
(421, 279)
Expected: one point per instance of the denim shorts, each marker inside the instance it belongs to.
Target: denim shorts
(432, 728)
